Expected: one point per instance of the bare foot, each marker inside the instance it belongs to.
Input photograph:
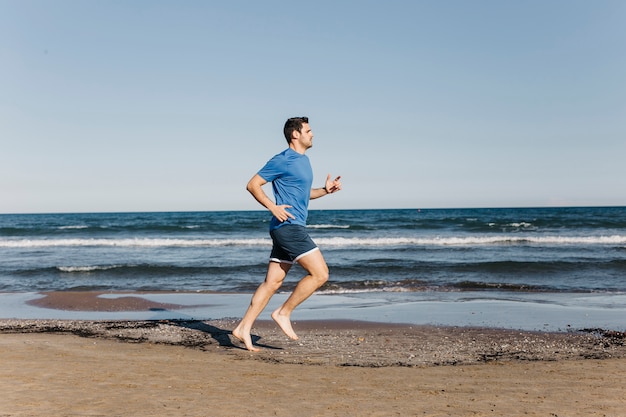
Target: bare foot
(245, 338)
(285, 324)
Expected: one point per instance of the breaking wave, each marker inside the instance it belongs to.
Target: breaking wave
(332, 241)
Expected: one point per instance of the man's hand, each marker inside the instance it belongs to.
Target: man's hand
(281, 213)
(334, 185)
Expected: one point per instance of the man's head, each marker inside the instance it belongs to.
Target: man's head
(292, 125)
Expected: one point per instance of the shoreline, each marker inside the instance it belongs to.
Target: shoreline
(348, 340)
(525, 312)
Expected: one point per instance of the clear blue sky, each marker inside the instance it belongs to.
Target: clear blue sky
(173, 105)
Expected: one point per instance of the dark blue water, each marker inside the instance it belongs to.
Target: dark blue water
(564, 250)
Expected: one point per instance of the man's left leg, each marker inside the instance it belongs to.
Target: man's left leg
(317, 269)
(276, 273)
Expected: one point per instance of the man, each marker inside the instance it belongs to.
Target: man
(291, 176)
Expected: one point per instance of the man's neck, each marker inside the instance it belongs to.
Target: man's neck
(300, 149)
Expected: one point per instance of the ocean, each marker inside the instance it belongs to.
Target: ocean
(496, 252)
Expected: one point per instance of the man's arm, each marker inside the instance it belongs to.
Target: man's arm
(330, 187)
(255, 187)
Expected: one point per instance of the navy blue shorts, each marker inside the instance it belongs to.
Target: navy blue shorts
(291, 242)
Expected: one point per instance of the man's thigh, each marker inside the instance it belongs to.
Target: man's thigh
(314, 263)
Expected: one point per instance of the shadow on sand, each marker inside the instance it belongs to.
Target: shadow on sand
(221, 336)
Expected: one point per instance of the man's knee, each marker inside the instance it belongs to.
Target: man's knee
(276, 273)
(273, 285)
(322, 276)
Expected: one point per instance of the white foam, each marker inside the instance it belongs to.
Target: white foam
(86, 268)
(324, 241)
(328, 226)
(521, 224)
(471, 241)
(42, 243)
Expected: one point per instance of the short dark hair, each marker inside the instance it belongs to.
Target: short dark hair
(294, 123)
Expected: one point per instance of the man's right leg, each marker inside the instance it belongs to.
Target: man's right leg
(276, 273)
(317, 269)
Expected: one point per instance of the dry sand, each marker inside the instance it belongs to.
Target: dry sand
(192, 368)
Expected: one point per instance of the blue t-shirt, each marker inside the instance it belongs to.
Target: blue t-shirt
(291, 176)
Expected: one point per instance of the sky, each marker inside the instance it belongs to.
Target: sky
(153, 105)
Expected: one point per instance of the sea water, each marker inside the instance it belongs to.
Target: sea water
(537, 268)
(521, 250)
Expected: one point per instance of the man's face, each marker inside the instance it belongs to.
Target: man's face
(305, 136)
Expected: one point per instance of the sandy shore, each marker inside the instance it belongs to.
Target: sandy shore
(195, 368)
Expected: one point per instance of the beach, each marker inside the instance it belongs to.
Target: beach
(468, 312)
(338, 368)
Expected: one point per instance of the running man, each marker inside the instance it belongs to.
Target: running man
(291, 176)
